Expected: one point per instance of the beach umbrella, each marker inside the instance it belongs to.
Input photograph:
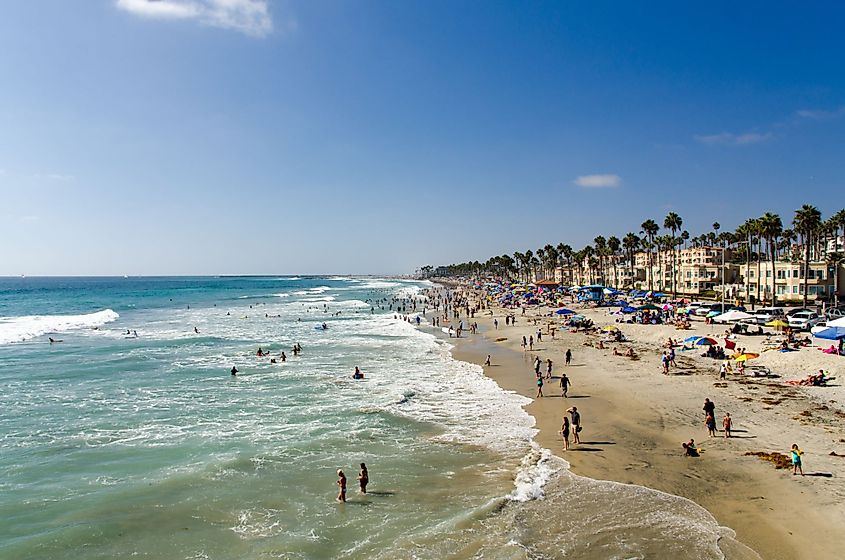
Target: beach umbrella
(777, 323)
(610, 328)
(732, 315)
(564, 311)
(650, 306)
(712, 314)
(745, 357)
(629, 309)
(693, 338)
(706, 341)
(829, 333)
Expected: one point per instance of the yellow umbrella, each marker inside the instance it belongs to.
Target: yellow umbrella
(745, 357)
(777, 323)
(610, 328)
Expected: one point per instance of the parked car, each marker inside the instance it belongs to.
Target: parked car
(804, 320)
(766, 314)
(835, 313)
(794, 310)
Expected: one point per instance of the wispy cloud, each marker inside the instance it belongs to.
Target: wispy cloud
(818, 114)
(598, 181)
(251, 17)
(731, 139)
(61, 177)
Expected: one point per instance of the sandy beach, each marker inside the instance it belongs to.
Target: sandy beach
(635, 419)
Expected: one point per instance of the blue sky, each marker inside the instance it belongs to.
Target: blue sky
(243, 136)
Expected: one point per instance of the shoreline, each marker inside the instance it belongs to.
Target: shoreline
(635, 419)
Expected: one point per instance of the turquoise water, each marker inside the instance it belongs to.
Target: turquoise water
(124, 446)
(117, 446)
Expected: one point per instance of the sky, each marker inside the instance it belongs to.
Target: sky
(149, 137)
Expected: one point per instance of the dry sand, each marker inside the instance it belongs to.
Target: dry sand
(635, 419)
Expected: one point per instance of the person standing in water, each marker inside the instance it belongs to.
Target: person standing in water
(363, 478)
(564, 431)
(234, 371)
(576, 423)
(341, 483)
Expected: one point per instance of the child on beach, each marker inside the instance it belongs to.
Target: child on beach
(539, 386)
(487, 361)
(796, 460)
(727, 423)
(710, 422)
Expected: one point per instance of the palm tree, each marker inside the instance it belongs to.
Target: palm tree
(673, 222)
(565, 252)
(835, 259)
(631, 242)
(807, 221)
(613, 245)
(601, 245)
(771, 227)
(650, 229)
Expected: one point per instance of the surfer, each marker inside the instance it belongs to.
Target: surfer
(196, 330)
(363, 478)
(357, 374)
(234, 371)
(341, 482)
(53, 340)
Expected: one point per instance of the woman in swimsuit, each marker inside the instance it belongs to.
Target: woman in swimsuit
(564, 431)
(341, 482)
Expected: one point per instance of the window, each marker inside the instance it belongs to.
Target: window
(781, 290)
(781, 275)
(795, 273)
(768, 274)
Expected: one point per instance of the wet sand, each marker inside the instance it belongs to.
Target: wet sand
(635, 419)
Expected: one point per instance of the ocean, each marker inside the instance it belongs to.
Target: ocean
(117, 445)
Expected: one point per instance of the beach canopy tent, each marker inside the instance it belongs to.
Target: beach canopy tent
(837, 322)
(732, 315)
(648, 306)
(564, 311)
(829, 333)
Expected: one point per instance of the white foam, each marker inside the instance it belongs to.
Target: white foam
(19, 329)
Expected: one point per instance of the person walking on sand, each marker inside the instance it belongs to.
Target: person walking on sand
(524, 343)
(341, 483)
(496, 324)
(576, 423)
(531, 343)
(548, 368)
(363, 478)
(796, 453)
(539, 386)
(568, 356)
(564, 384)
(564, 431)
(537, 366)
(710, 422)
(727, 422)
(664, 359)
(487, 361)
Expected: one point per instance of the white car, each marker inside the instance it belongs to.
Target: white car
(804, 320)
(766, 314)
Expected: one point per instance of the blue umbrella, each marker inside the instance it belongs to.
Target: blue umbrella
(564, 312)
(692, 338)
(831, 333)
(628, 309)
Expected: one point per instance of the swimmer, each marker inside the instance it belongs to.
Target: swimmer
(341, 482)
(53, 340)
(357, 374)
(234, 371)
